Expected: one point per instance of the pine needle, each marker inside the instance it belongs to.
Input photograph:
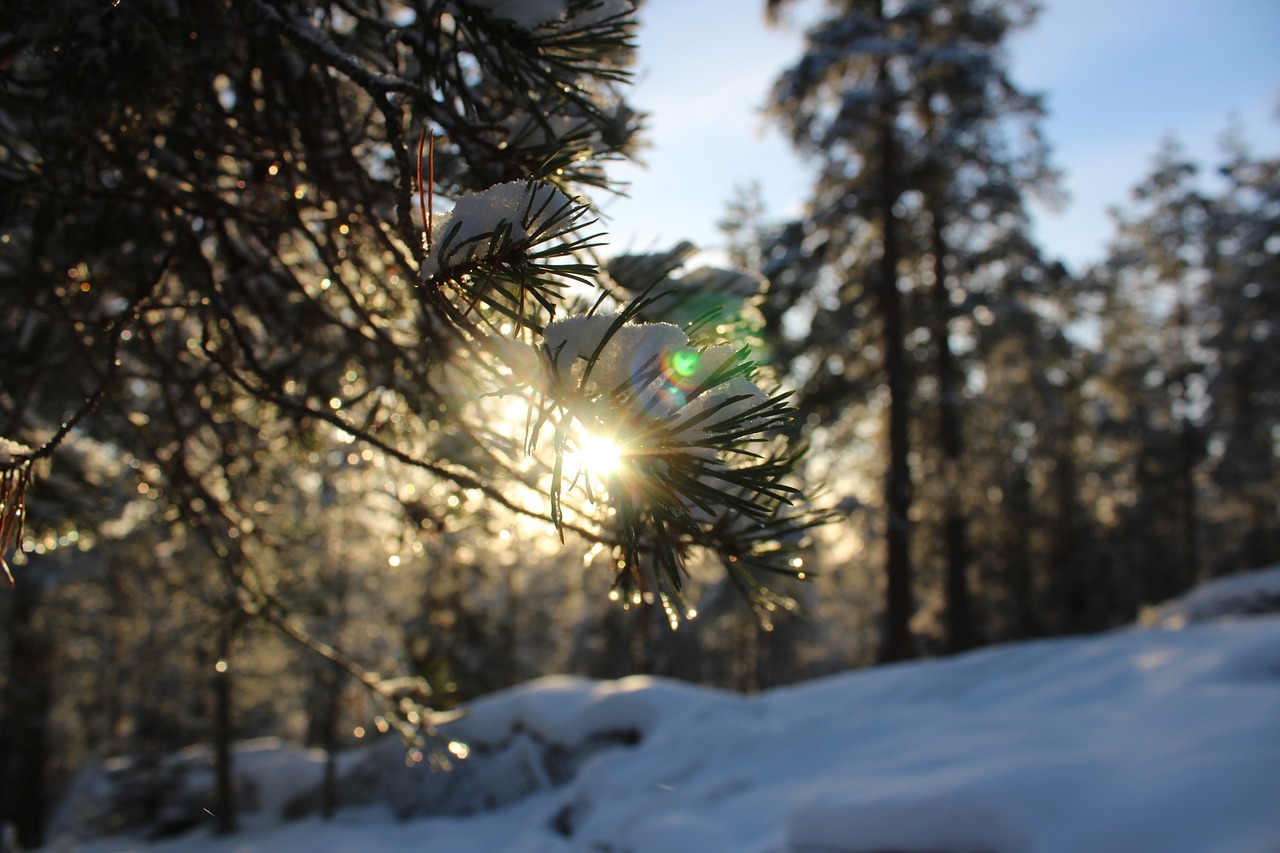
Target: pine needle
(13, 494)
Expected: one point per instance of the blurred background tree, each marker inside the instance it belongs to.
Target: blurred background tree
(926, 150)
(1048, 447)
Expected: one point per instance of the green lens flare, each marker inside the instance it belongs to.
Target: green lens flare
(684, 362)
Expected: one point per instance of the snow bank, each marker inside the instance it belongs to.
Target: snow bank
(155, 796)
(1136, 740)
(834, 817)
(516, 744)
(1245, 594)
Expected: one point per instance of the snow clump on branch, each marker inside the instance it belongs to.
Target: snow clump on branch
(9, 449)
(484, 225)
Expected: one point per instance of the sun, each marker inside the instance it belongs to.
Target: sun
(599, 456)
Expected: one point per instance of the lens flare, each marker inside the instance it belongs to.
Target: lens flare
(683, 363)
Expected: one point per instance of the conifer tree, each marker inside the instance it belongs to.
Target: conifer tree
(1243, 295)
(926, 152)
(1152, 280)
(1187, 387)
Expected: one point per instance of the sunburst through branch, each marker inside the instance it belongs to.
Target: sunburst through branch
(597, 455)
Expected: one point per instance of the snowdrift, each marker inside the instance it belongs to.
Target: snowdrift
(1160, 740)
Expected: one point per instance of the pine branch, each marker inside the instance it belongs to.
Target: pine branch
(683, 421)
(462, 479)
(380, 88)
(255, 600)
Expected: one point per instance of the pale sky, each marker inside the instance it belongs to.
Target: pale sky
(1119, 77)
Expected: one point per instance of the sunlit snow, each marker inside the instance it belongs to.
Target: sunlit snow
(10, 449)
(1137, 740)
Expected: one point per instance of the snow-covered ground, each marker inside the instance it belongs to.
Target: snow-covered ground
(1164, 739)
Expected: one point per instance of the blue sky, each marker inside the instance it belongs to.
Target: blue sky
(1119, 76)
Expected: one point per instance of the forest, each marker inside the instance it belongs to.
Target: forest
(327, 405)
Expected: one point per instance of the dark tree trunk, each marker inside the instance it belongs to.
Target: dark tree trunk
(1262, 548)
(958, 616)
(1021, 580)
(898, 643)
(1084, 600)
(223, 735)
(956, 597)
(1188, 454)
(332, 688)
(1192, 572)
(24, 723)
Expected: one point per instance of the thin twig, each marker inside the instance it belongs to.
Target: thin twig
(116, 331)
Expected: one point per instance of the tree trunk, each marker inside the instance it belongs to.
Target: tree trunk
(1021, 581)
(1083, 601)
(1187, 451)
(224, 794)
(959, 618)
(1262, 548)
(24, 723)
(898, 643)
(332, 690)
(1192, 573)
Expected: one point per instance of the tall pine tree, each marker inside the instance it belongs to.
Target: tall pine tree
(925, 152)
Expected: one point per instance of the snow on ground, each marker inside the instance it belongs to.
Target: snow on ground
(1138, 740)
(1234, 595)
